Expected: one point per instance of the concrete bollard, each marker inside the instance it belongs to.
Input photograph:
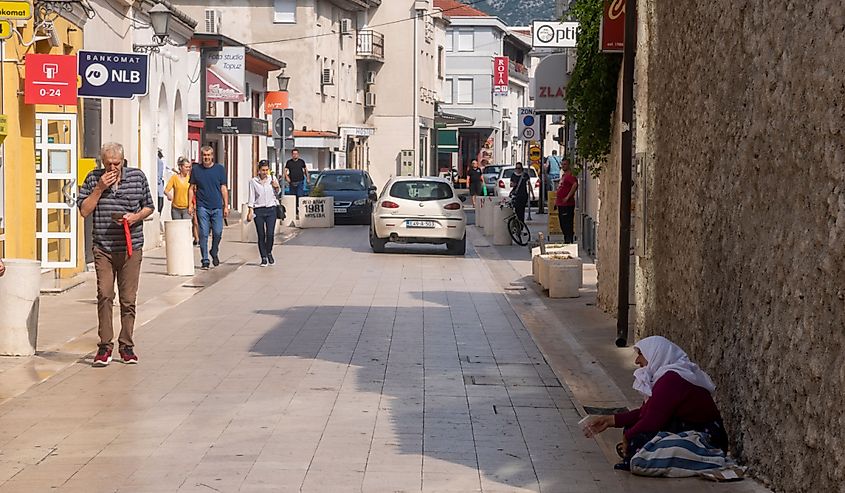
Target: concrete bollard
(501, 236)
(248, 232)
(178, 239)
(564, 280)
(316, 212)
(289, 201)
(20, 289)
(490, 203)
(479, 212)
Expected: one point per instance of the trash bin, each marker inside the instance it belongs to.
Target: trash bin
(179, 248)
(20, 289)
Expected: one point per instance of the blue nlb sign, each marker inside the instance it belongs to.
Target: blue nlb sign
(112, 75)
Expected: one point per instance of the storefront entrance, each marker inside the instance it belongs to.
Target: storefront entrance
(55, 182)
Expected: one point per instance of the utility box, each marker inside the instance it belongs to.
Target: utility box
(406, 162)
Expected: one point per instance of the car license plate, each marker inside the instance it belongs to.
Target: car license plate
(340, 210)
(419, 224)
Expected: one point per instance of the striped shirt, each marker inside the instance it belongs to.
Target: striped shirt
(133, 194)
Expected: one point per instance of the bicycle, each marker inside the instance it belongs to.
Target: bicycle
(518, 230)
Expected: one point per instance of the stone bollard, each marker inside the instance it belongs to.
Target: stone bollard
(289, 202)
(501, 236)
(479, 212)
(248, 232)
(316, 212)
(178, 239)
(20, 289)
(490, 203)
(564, 280)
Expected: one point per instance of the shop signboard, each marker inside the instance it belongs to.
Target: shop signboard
(612, 32)
(501, 65)
(15, 10)
(113, 75)
(50, 79)
(226, 75)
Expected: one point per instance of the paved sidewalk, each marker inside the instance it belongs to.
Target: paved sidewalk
(336, 370)
(67, 328)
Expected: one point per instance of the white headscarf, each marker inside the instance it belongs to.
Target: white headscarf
(664, 356)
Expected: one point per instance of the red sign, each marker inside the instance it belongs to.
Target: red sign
(501, 80)
(612, 33)
(50, 79)
(275, 100)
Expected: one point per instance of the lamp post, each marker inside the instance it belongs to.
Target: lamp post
(160, 20)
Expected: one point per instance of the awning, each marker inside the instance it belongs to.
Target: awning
(452, 120)
(236, 125)
(316, 139)
(447, 140)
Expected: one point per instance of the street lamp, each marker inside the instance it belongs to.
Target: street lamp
(160, 20)
(283, 81)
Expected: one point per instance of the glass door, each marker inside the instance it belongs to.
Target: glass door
(55, 189)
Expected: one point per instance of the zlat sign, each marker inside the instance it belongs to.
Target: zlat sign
(501, 65)
(50, 79)
(15, 10)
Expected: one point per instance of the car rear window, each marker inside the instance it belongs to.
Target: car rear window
(337, 182)
(421, 190)
(492, 169)
(509, 173)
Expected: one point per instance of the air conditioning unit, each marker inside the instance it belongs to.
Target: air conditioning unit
(346, 27)
(327, 77)
(213, 21)
(369, 99)
(371, 77)
(506, 112)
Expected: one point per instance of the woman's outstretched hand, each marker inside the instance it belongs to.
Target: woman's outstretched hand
(597, 424)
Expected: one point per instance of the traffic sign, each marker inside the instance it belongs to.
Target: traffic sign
(5, 29)
(534, 153)
(529, 124)
(50, 79)
(113, 75)
(15, 10)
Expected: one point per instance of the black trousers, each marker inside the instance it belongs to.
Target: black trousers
(566, 216)
(519, 204)
(265, 225)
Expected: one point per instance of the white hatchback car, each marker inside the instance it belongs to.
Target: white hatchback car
(419, 210)
(503, 184)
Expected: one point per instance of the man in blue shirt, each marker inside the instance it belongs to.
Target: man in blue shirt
(551, 171)
(209, 188)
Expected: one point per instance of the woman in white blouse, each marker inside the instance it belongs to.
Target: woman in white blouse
(262, 203)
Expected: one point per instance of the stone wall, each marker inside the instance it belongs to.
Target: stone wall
(745, 220)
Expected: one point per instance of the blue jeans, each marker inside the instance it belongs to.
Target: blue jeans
(210, 218)
(297, 188)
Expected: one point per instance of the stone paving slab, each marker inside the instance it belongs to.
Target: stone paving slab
(336, 370)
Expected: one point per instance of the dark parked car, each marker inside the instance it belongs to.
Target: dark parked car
(353, 193)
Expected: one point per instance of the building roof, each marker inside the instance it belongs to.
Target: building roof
(454, 8)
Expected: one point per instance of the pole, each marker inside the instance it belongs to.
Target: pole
(203, 94)
(625, 182)
(541, 206)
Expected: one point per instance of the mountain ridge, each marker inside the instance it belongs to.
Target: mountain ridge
(518, 12)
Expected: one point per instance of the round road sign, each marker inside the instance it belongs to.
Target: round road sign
(534, 153)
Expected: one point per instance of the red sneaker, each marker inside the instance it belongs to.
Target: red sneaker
(127, 354)
(103, 357)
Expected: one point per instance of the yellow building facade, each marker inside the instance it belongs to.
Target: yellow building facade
(40, 154)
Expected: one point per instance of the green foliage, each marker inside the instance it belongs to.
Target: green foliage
(591, 94)
(317, 192)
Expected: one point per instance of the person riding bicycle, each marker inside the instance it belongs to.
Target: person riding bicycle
(520, 190)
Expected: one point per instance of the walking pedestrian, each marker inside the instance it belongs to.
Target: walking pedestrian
(119, 199)
(296, 174)
(177, 191)
(475, 180)
(565, 202)
(160, 181)
(520, 190)
(262, 203)
(551, 171)
(209, 188)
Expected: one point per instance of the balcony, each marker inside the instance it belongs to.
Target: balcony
(370, 46)
(518, 71)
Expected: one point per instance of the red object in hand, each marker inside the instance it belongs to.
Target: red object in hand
(128, 236)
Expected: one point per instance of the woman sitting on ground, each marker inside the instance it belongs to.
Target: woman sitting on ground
(678, 397)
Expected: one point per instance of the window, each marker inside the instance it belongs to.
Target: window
(466, 40)
(464, 91)
(448, 89)
(284, 11)
(450, 40)
(421, 190)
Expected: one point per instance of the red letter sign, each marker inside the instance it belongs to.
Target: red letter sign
(612, 33)
(501, 80)
(50, 79)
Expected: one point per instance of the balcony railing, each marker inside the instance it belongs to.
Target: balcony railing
(370, 45)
